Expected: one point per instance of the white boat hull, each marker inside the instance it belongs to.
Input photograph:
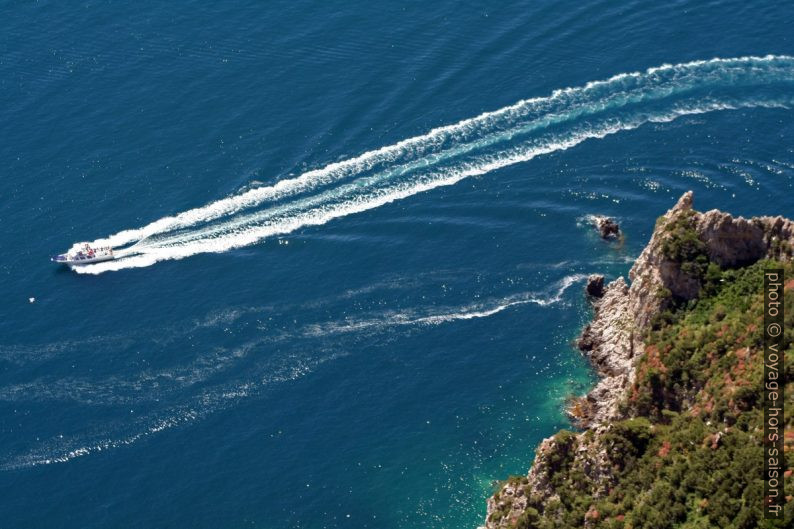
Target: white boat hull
(87, 260)
(85, 256)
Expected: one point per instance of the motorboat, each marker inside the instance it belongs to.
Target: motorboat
(83, 253)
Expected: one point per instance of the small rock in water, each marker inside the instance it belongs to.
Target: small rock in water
(595, 286)
(607, 227)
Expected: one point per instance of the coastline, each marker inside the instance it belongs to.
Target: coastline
(670, 274)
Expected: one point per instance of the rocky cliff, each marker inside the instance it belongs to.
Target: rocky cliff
(687, 253)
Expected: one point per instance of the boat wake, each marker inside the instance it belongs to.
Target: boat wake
(175, 395)
(449, 154)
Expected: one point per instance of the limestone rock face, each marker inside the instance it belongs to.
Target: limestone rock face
(729, 242)
(612, 340)
(653, 271)
(609, 343)
(733, 242)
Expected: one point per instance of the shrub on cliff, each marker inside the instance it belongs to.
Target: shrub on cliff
(682, 245)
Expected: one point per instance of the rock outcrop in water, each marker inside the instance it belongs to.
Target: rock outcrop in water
(595, 286)
(687, 250)
(607, 227)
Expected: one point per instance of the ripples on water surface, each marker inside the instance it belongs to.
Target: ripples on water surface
(360, 240)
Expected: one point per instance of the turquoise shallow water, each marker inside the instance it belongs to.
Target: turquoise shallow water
(360, 238)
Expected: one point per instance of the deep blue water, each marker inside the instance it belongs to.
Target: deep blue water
(366, 344)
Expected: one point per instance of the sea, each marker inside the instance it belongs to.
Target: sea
(351, 236)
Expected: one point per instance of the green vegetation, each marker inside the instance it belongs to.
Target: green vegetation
(692, 456)
(682, 245)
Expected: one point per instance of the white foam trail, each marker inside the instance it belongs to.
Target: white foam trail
(154, 385)
(119, 391)
(384, 175)
(484, 309)
(512, 301)
(237, 238)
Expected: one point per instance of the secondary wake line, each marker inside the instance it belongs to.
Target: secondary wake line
(208, 400)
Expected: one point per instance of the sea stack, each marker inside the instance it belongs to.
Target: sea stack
(595, 286)
(607, 227)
